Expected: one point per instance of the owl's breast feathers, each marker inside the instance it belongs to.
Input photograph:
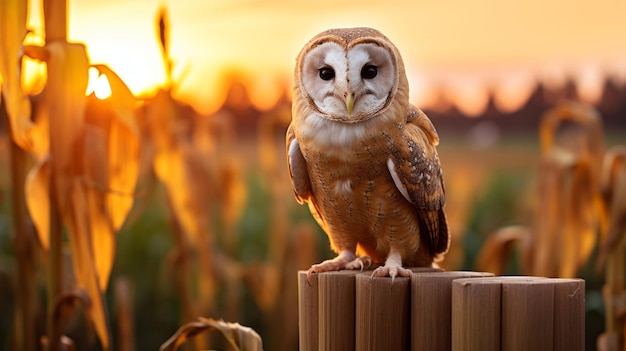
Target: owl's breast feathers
(383, 173)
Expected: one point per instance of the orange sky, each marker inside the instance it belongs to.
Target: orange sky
(462, 45)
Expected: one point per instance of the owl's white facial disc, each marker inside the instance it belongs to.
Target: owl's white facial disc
(348, 86)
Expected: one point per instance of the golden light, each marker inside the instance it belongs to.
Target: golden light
(513, 90)
(208, 39)
(590, 84)
(34, 72)
(98, 84)
(34, 75)
(130, 47)
(469, 93)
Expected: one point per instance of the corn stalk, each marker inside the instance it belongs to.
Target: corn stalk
(568, 207)
(612, 250)
(15, 105)
(85, 165)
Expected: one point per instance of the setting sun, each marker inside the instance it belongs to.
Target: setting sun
(261, 41)
(98, 84)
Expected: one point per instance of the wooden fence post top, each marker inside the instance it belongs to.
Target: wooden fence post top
(497, 280)
(436, 309)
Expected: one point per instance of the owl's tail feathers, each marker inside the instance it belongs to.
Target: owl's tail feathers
(441, 244)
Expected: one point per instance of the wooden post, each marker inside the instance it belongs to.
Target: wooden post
(431, 308)
(336, 318)
(476, 314)
(528, 314)
(569, 314)
(425, 270)
(435, 310)
(308, 311)
(382, 312)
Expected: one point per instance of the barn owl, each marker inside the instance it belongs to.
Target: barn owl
(363, 158)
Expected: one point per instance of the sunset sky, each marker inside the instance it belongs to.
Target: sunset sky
(462, 46)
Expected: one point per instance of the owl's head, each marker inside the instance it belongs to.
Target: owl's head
(350, 74)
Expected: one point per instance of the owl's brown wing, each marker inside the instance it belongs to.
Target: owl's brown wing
(416, 171)
(299, 175)
(297, 168)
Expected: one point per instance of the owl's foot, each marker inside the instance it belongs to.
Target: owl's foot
(391, 271)
(392, 268)
(345, 260)
(359, 263)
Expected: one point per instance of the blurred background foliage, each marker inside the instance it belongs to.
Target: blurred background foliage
(214, 230)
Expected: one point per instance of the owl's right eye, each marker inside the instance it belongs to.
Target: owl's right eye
(327, 73)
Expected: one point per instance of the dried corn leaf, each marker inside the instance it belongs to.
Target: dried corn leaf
(583, 115)
(233, 189)
(612, 254)
(564, 234)
(614, 189)
(581, 218)
(65, 102)
(123, 149)
(122, 99)
(190, 186)
(95, 181)
(65, 344)
(41, 133)
(37, 190)
(110, 169)
(84, 259)
(567, 210)
(540, 255)
(182, 177)
(65, 306)
(123, 156)
(240, 337)
(12, 31)
(495, 254)
(181, 169)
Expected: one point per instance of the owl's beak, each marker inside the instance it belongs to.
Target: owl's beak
(350, 102)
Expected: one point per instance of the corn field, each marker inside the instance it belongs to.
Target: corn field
(134, 224)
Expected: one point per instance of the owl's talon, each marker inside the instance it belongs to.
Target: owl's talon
(308, 275)
(360, 263)
(364, 264)
(391, 270)
(393, 274)
(381, 271)
(345, 260)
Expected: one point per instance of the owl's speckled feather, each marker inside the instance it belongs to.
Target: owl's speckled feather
(350, 36)
(371, 177)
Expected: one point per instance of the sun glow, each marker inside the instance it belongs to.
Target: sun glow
(208, 38)
(34, 75)
(98, 84)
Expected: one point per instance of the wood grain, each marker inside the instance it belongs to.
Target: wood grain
(382, 313)
(336, 318)
(431, 308)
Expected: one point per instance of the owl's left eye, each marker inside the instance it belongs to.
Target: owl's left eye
(327, 73)
(369, 72)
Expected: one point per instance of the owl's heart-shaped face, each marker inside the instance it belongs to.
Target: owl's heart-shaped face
(348, 85)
